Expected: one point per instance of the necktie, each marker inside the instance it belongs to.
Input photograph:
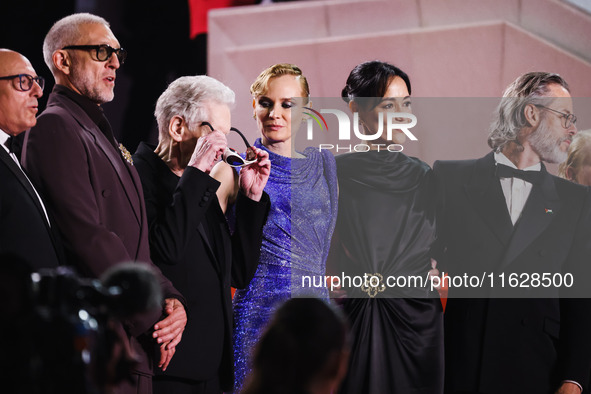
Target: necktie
(503, 171)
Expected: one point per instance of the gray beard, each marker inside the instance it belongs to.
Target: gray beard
(86, 88)
(546, 146)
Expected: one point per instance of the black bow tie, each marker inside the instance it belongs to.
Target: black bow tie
(503, 171)
(10, 144)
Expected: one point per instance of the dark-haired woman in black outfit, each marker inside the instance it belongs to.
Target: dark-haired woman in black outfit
(385, 229)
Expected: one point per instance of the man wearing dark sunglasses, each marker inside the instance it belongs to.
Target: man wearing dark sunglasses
(89, 181)
(20, 88)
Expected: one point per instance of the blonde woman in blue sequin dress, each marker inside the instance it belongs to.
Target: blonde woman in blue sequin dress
(303, 191)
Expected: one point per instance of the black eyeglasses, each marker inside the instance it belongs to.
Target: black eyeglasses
(231, 156)
(102, 52)
(569, 119)
(25, 81)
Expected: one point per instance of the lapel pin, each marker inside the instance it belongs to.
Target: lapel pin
(125, 153)
(548, 210)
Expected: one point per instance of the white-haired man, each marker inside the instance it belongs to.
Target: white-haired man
(88, 180)
(186, 191)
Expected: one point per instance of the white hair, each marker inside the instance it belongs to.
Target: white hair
(66, 32)
(186, 97)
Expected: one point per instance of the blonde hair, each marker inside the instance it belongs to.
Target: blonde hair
(261, 84)
(579, 153)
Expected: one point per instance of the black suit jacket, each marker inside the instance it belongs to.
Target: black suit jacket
(190, 241)
(25, 235)
(27, 244)
(96, 199)
(513, 345)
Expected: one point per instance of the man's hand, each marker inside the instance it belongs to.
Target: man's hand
(253, 177)
(208, 151)
(165, 356)
(568, 388)
(169, 331)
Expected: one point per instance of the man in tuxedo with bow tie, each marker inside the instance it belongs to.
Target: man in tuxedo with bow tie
(25, 231)
(504, 215)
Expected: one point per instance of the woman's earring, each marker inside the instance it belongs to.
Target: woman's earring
(254, 116)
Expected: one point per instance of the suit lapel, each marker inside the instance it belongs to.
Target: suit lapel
(120, 167)
(130, 186)
(485, 192)
(20, 175)
(539, 211)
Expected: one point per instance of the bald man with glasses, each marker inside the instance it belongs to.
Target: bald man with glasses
(25, 231)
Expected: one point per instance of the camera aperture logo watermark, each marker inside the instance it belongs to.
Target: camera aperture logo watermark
(317, 120)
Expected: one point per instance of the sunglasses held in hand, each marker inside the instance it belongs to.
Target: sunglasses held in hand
(231, 156)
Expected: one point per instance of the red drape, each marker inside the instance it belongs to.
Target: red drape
(198, 12)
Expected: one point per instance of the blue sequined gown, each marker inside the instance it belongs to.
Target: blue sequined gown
(296, 240)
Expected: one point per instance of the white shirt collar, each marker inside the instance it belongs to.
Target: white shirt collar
(3, 138)
(502, 159)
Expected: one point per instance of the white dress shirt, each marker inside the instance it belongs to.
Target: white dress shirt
(516, 190)
(3, 138)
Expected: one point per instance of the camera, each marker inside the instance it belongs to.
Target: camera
(68, 334)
